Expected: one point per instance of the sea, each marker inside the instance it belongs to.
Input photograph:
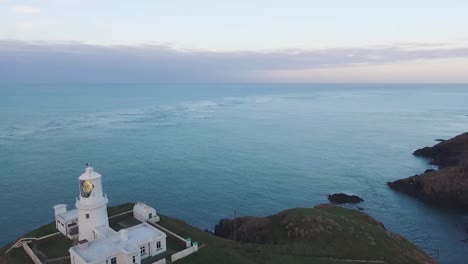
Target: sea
(200, 152)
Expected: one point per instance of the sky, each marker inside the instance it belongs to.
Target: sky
(234, 41)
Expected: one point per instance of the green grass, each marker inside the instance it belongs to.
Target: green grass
(349, 235)
(217, 250)
(55, 247)
(116, 226)
(42, 231)
(174, 243)
(114, 210)
(16, 255)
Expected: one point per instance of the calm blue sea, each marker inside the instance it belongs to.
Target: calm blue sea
(198, 152)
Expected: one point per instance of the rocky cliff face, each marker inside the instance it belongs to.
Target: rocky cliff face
(452, 152)
(449, 184)
(248, 229)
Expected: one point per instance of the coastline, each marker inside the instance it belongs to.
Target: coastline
(446, 186)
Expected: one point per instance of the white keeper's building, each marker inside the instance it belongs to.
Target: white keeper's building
(97, 242)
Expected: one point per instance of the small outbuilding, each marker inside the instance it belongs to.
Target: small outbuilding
(66, 221)
(144, 212)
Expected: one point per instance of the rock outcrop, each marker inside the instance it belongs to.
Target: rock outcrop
(341, 198)
(248, 229)
(452, 152)
(449, 184)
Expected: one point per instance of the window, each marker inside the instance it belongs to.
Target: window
(87, 216)
(133, 259)
(72, 224)
(113, 260)
(142, 250)
(158, 245)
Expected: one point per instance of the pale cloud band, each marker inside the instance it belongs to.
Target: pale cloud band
(24, 9)
(73, 61)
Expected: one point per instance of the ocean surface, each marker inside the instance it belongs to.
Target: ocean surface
(200, 151)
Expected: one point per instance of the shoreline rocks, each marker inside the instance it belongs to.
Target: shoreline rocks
(452, 152)
(446, 186)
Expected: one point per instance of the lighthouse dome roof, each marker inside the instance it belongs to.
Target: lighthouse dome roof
(89, 174)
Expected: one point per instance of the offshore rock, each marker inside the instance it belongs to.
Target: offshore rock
(341, 198)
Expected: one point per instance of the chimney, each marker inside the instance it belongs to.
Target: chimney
(83, 244)
(60, 209)
(123, 234)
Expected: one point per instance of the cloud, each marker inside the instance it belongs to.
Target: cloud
(24, 9)
(73, 61)
(26, 25)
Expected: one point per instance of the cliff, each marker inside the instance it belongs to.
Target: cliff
(448, 153)
(447, 186)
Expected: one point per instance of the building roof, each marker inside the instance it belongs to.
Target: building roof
(142, 208)
(89, 174)
(69, 215)
(143, 233)
(101, 249)
(105, 231)
(60, 206)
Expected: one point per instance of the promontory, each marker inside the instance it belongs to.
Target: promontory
(446, 186)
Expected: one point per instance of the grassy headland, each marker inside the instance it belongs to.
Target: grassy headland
(326, 234)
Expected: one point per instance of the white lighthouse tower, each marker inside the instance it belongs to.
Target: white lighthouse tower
(91, 205)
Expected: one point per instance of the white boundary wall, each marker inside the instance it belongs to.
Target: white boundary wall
(187, 243)
(31, 254)
(184, 253)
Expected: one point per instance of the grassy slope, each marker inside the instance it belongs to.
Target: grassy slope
(359, 238)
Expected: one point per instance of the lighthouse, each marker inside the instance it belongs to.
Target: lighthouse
(97, 241)
(91, 205)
